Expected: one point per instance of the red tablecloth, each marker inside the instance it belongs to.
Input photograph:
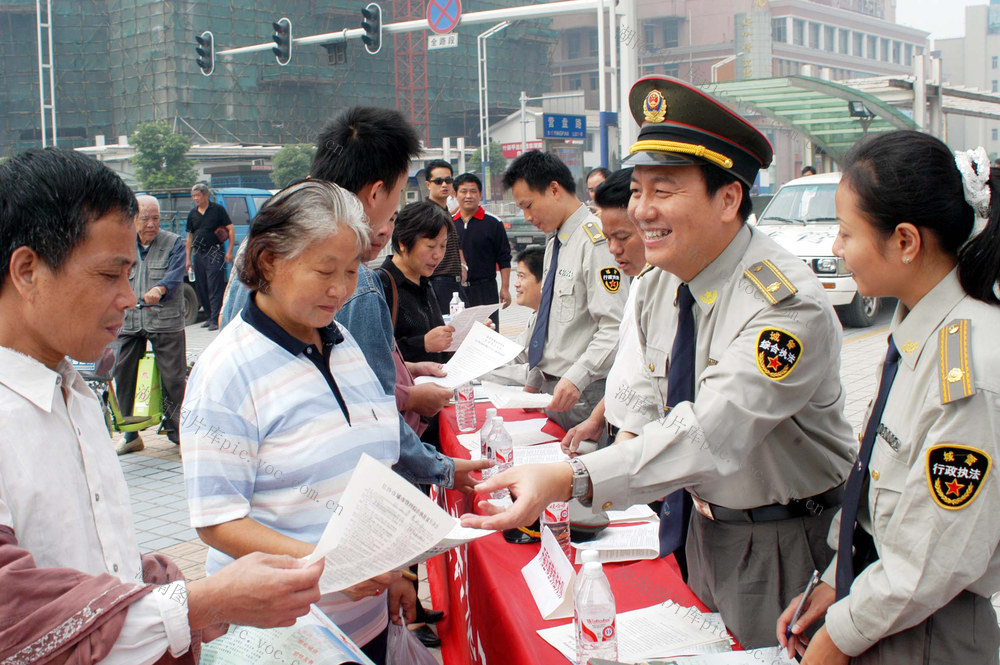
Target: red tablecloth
(490, 616)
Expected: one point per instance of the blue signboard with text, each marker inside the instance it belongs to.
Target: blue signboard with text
(557, 126)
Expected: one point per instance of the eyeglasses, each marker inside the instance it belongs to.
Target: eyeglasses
(442, 181)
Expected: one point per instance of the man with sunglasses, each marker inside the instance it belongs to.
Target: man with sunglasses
(450, 274)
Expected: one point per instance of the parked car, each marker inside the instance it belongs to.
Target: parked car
(521, 233)
(242, 204)
(802, 218)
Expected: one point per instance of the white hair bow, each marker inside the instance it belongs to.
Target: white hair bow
(974, 165)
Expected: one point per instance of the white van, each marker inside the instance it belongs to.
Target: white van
(802, 218)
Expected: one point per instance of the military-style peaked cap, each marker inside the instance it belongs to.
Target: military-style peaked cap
(682, 125)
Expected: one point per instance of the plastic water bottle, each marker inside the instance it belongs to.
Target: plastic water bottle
(487, 443)
(484, 432)
(465, 407)
(586, 556)
(455, 306)
(594, 616)
(503, 453)
(555, 517)
(191, 275)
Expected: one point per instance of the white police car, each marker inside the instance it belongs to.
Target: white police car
(802, 218)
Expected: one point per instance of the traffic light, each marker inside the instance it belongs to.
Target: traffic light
(372, 24)
(206, 52)
(282, 38)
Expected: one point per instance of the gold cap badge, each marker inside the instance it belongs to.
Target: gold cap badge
(655, 106)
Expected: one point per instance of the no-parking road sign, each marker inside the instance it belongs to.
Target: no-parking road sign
(443, 15)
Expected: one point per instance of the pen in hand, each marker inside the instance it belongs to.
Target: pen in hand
(813, 581)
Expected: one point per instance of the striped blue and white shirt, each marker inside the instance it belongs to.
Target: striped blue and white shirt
(265, 435)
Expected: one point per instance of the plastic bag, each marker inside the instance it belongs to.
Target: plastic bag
(405, 649)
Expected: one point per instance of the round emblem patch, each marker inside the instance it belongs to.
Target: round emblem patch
(955, 473)
(611, 279)
(777, 352)
(654, 107)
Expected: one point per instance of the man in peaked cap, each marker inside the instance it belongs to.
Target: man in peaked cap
(742, 352)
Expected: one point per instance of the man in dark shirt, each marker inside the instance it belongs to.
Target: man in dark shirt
(485, 247)
(450, 273)
(206, 253)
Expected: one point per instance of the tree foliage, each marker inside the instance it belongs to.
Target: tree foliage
(498, 163)
(291, 163)
(159, 159)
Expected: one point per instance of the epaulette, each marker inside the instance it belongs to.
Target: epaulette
(955, 361)
(594, 232)
(649, 267)
(770, 281)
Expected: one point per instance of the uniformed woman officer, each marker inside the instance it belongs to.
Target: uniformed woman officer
(920, 508)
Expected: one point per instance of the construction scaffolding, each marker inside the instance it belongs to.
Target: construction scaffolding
(123, 62)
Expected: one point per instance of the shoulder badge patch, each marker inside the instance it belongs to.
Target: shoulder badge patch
(954, 361)
(770, 281)
(611, 279)
(594, 232)
(955, 474)
(777, 352)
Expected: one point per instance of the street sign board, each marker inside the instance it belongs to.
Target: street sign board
(443, 15)
(442, 41)
(558, 126)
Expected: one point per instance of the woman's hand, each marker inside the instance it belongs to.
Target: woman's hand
(815, 608)
(438, 339)
(428, 399)
(373, 587)
(464, 480)
(426, 368)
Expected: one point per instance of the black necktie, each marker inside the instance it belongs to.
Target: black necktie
(851, 559)
(676, 507)
(537, 344)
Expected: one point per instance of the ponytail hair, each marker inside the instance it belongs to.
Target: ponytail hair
(909, 176)
(979, 258)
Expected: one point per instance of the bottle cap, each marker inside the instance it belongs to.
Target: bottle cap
(491, 412)
(586, 556)
(592, 567)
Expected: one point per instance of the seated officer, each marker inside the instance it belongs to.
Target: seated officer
(742, 349)
(575, 336)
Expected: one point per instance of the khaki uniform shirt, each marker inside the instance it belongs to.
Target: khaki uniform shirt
(767, 423)
(620, 394)
(933, 515)
(587, 300)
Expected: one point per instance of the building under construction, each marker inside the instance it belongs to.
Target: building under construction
(118, 63)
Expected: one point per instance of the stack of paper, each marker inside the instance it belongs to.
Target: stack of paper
(541, 454)
(514, 397)
(624, 543)
(528, 432)
(659, 631)
(383, 523)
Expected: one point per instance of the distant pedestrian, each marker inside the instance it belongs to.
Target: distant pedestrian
(208, 230)
(807, 170)
(485, 246)
(451, 272)
(157, 280)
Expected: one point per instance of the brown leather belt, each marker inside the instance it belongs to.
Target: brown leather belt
(795, 508)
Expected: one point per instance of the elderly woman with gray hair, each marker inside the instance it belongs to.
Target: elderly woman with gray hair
(280, 407)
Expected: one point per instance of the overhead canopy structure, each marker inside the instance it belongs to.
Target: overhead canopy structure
(821, 110)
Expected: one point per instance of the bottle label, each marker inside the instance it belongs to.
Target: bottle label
(597, 630)
(503, 459)
(556, 512)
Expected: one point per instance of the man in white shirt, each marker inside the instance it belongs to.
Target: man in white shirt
(72, 582)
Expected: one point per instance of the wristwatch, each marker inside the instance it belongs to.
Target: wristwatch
(581, 479)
